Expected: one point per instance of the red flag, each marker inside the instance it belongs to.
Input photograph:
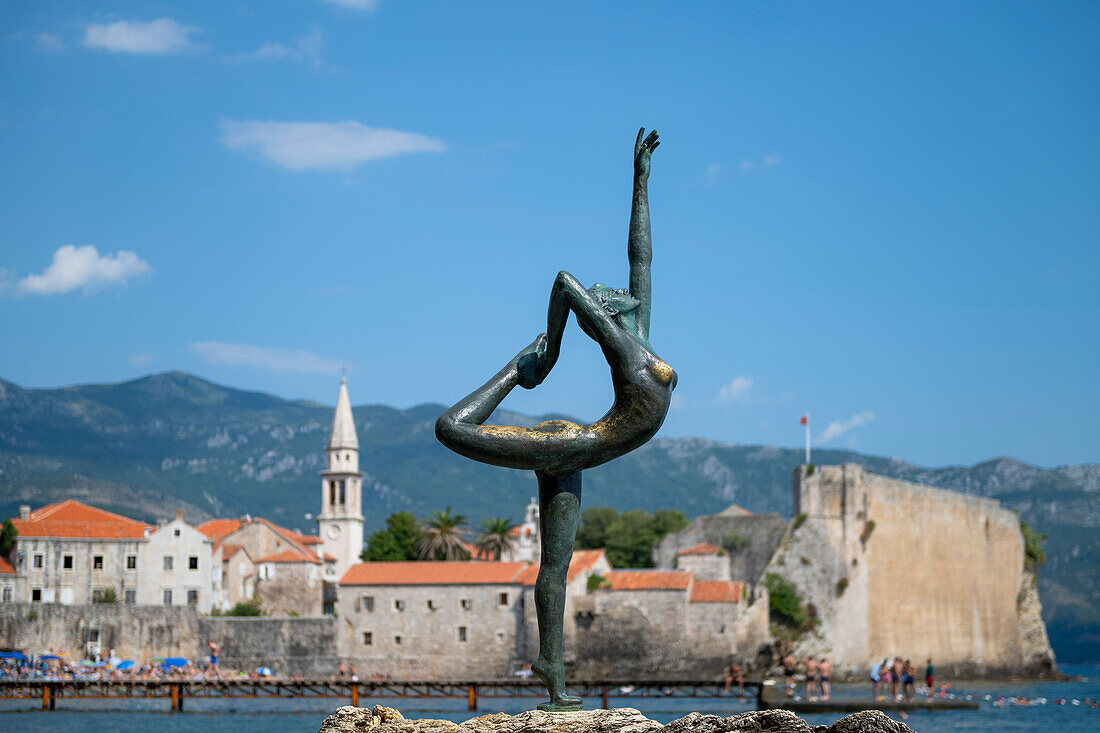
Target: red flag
(804, 420)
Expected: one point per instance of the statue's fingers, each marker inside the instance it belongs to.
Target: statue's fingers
(654, 146)
(652, 137)
(638, 142)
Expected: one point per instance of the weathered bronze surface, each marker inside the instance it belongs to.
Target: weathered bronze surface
(558, 450)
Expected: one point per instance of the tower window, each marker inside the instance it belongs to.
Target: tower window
(332, 493)
(342, 494)
(462, 633)
(368, 638)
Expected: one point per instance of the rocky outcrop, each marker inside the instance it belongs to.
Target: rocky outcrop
(620, 720)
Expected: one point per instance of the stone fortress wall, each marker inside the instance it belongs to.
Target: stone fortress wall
(895, 568)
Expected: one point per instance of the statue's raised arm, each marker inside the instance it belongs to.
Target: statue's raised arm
(639, 246)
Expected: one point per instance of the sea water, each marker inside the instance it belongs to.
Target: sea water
(306, 715)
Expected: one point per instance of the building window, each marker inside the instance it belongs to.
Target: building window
(192, 598)
(332, 493)
(431, 605)
(176, 533)
(167, 562)
(368, 638)
(462, 633)
(465, 603)
(193, 562)
(6, 595)
(366, 603)
(97, 562)
(343, 495)
(36, 595)
(500, 636)
(131, 562)
(38, 561)
(129, 596)
(397, 640)
(167, 597)
(502, 599)
(66, 562)
(398, 605)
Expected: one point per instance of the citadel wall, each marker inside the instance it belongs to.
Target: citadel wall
(895, 568)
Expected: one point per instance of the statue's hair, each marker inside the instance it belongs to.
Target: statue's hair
(606, 295)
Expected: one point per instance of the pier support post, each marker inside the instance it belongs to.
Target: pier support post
(471, 698)
(354, 695)
(47, 697)
(604, 696)
(177, 698)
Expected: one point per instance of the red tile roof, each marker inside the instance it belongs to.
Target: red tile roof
(716, 591)
(582, 560)
(73, 519)
(229, 550)
(459, 572)
(6, 567)
(289, 556)
(649, 579)
(218, 528)
(703, 548)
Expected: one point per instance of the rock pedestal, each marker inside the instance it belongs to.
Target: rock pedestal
(619, 720)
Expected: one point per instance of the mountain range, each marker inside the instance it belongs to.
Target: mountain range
(149, 446)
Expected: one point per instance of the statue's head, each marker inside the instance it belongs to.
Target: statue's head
(617, 302)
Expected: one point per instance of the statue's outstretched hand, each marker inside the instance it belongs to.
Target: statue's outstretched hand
(643, 148)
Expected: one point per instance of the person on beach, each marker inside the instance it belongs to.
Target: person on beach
(789, 668)
(824, 670)
(734, 674)
(886, 678)
(929, 676)
(876, 678)
(214, 657)
(811, 678)
(907, 680)
(895, 678)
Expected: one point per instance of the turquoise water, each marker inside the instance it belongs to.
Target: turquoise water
(305, 716)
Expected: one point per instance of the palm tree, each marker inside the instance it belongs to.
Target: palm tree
(495, 538)
(442, 538)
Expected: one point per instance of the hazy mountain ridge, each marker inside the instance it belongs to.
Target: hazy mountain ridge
(168, 440)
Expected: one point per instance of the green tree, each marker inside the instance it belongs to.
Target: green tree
(595, 521)
(245, 608)
(442, 537)
(495, 538)
(394, 543)
(1034, 554)
(8, 533)
(630, 540)
(666, 521)
(784, 603)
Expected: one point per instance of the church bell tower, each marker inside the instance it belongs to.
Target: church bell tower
(341, 519)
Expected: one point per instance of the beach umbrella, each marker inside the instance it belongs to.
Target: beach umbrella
(17, 656)
(125, 665)
(264, 671)
(175, 662)
(48, 656)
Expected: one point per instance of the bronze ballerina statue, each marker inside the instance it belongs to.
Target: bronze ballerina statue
(558, 450)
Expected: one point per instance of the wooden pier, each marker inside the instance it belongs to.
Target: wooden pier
(176, 692)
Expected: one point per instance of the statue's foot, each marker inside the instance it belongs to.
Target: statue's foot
(529, 363)
(553, 676)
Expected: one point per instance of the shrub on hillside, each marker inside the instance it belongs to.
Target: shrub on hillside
(784, 603)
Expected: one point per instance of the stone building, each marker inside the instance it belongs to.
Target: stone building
(277, 567)
(705, 561)
(72, 553)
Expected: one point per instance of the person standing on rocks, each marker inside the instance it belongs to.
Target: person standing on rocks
(929, 676)
(789, 668)
(824, 669)
(811, 677)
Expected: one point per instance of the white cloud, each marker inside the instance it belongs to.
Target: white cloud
(837, 427)
(159, 36)
(307, 48)
(141, 360)
(769, 160)
(49, 43)
(368, 5)
(83, 267)
(322, 145)
(279, 360)
(736, 391)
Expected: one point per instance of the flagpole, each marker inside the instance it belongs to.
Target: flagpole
(807, 438)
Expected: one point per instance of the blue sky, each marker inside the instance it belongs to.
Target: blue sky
(884, 215)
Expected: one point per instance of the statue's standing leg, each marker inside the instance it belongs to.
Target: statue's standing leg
(559, 513)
